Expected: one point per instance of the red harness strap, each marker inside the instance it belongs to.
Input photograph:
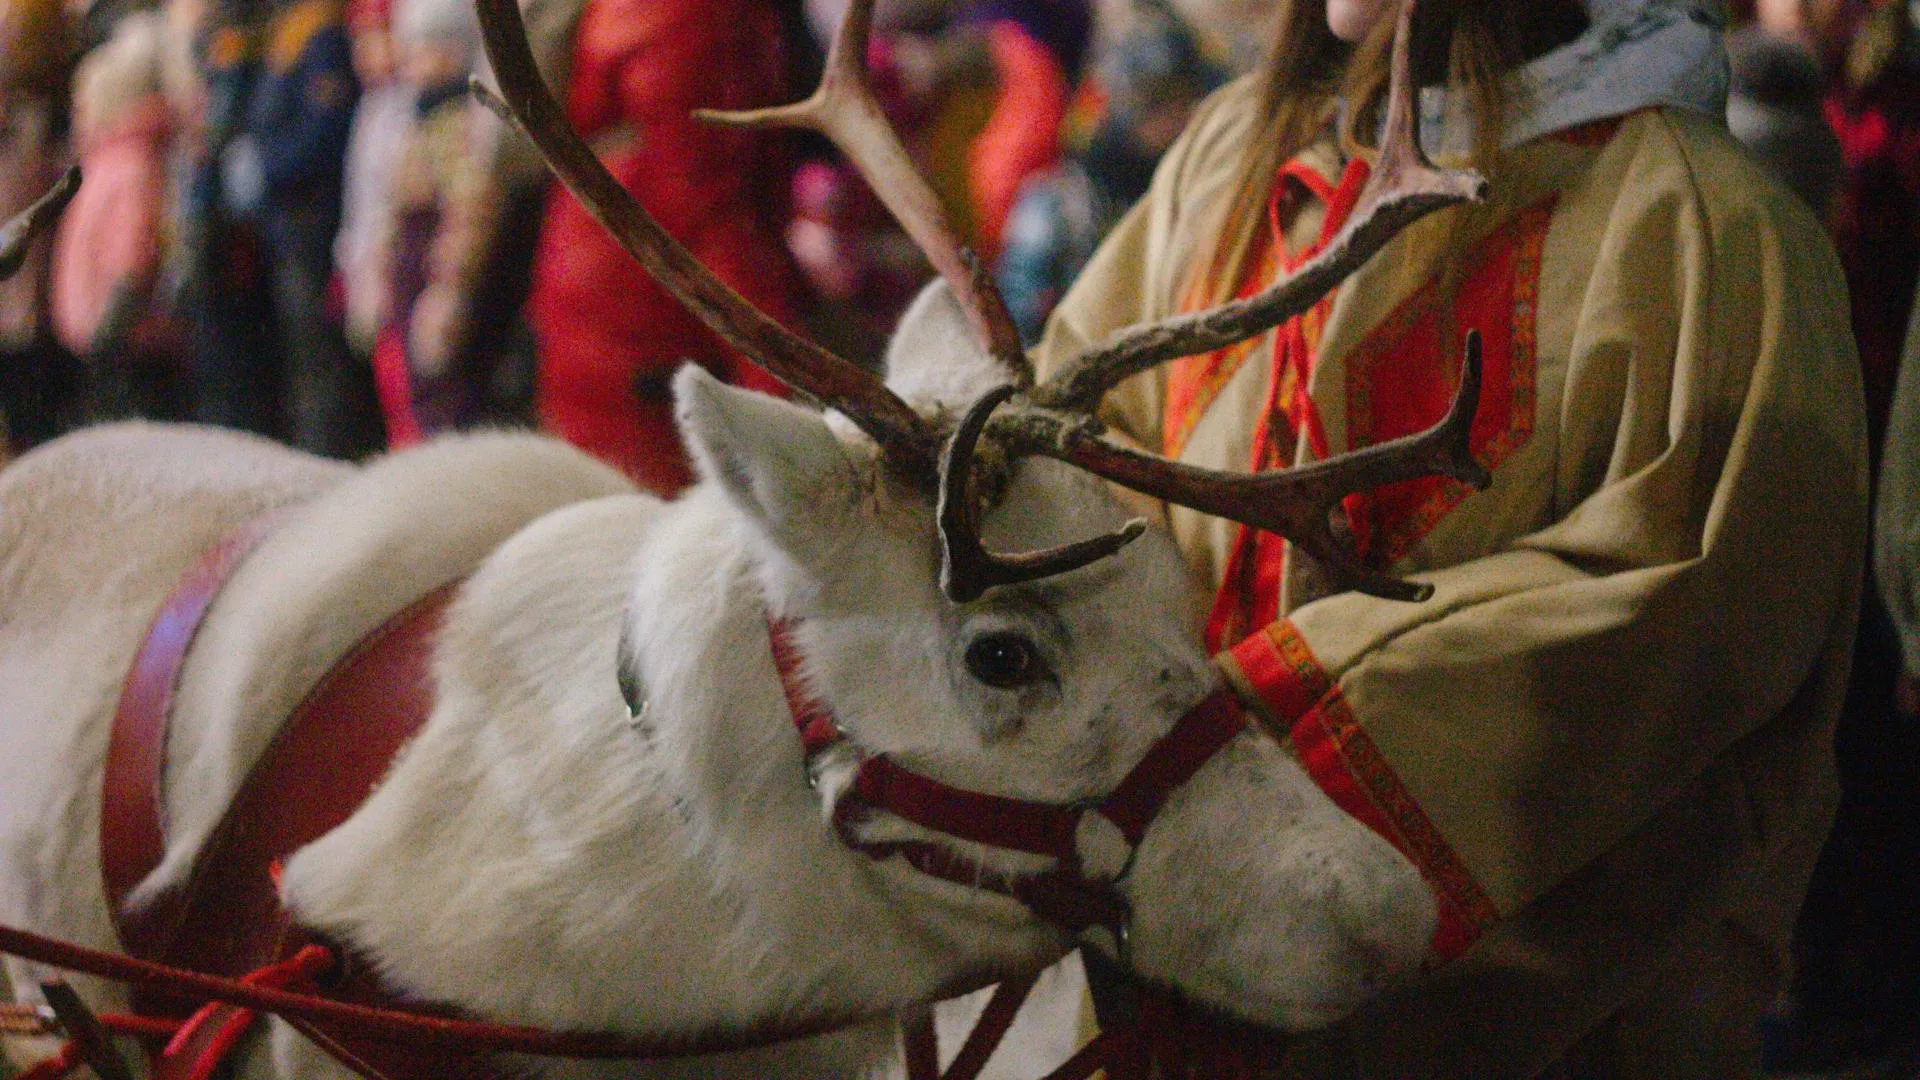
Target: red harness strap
(335, 747)
(1166, 1035)
(132, 838)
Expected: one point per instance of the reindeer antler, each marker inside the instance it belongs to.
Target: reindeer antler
(17, 236)
(1057, 420)
(845, 110)
(1294, 503)
(968, 569)
(909, 444)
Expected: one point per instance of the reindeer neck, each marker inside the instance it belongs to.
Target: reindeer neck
(536, 856)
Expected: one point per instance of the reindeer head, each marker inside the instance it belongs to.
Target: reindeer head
(1043, 675)
(1029, 690)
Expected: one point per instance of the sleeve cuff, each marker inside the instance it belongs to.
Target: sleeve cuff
(1277, 677)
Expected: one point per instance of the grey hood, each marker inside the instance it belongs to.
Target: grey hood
(1634, 54)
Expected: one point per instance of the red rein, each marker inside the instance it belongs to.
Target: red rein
(392, 1023)
(1168, 1032)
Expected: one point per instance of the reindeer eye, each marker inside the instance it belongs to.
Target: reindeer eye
(1004, 660)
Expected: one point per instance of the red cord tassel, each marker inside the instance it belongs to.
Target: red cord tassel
(235, 1023)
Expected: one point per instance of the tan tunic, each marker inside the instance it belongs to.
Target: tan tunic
(1605, 740)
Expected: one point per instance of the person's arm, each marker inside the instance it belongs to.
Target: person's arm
(1559, 691)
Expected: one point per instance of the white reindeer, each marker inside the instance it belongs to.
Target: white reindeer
(608, 822)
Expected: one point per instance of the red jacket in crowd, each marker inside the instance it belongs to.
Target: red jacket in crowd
(610, 338)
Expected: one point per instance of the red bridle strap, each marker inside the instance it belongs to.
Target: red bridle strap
(1015, 824)
(1204, 731)
(1063, 895)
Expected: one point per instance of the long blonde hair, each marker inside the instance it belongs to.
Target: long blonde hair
(1468, 43)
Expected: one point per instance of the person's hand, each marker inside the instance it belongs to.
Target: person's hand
(825, 261)
(434, 331)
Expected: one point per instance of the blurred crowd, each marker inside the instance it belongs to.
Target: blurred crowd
(1827, 93)
(296, 221)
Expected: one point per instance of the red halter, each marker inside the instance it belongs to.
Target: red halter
(1068, 895)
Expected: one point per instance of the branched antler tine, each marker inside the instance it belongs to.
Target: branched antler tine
(967, 568)
(1450, 445)
(17, 236)
(1346, 570)
(1293, 503)
(1403, 188)
(908, 442)
(845, 110)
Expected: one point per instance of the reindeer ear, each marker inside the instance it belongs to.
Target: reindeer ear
(933, 355)
(778, 462)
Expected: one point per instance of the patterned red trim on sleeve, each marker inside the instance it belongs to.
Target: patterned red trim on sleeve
(1279, 678)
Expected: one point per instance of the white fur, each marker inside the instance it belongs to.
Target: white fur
(537, 856)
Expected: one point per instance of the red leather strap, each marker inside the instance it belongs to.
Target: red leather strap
(423, 1028)
(1062, 898)
(132, 830)
(1035, 828)
(327, 758)
(1065, 896)
(1201, 733)
(995, 1020)
(920, 1043)
(810, 718)
(226, 918)
(379, 1057)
